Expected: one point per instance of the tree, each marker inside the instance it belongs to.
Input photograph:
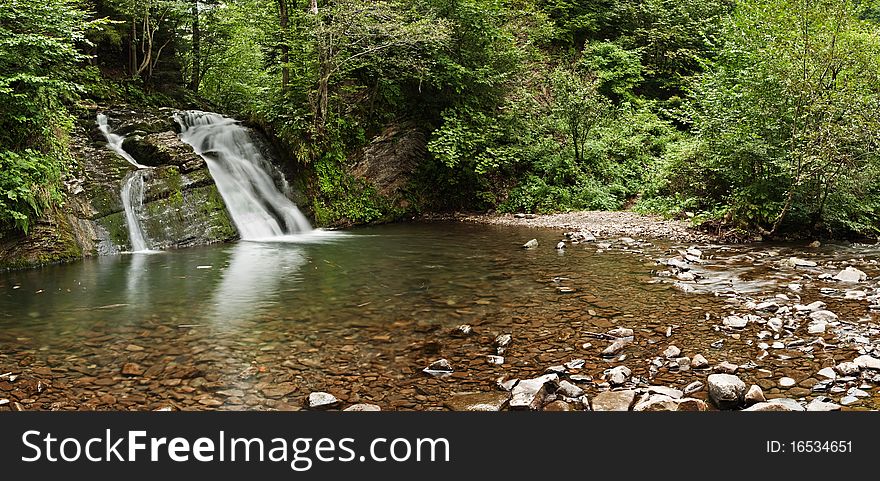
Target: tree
(579, 107)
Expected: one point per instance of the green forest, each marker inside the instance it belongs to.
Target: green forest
(756, 115)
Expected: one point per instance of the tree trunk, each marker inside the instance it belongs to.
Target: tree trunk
(196, 77)
(285, 49)
(313, 7)
(132, 49)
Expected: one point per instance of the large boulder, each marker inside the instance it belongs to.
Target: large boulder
(726, 390)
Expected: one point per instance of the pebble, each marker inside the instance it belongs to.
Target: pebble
(530, 393)
(498, 360)
(531, 244)
(615, 347)
(699, 362)
(735, 322)
(848, 400)
(822, 404)
(613, 400)
(463, 330)
(363, 407)
(823, 316)
(787, 382)
(726, 367)
(827, 373)
(780, 404)
(847, 368)
(693, 387)
(479, 402)
(322, 400)
(867, 362)
(439, 368)
(568, 389)
(754, 395)
(672, 351)
(851, 275)
(618, 375)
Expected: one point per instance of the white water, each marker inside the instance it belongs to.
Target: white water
(132, 189)
(257, 207)
(114, 142)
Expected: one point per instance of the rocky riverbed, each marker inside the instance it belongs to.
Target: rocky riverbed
(469, 319)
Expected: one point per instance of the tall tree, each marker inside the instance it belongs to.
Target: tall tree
(284, 20)
(196, 79)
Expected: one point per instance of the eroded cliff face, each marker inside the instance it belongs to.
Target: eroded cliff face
(181, 204)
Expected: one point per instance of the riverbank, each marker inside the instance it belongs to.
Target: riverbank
(602, 224)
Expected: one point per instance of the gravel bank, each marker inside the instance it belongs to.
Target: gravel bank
(601, 224)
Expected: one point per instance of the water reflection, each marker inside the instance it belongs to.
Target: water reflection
(253, 278)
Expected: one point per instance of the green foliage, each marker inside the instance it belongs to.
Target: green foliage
(40, 55)
(787, 120)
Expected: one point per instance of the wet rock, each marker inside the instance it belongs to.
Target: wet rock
(683, 363)
(569, 390)
(581, 378)
(787, 382)
(575, 364)
(856, 392)
(497, 360)
(438, 368)
(848, 400)
(531, 244)
(867, 362)
(850, 274)
(621, 332)
(847, 368)
(735, 322)
(822, 404)
(817, 327)
(557, 406)
(659, 402)
(502, 341)
(684, 287)
(618, 375)
(693, 387)
(565, 290)
(613, 400)
(666, 391)
(132, 369)
(699, 362)
(322, 400)
(615, 347)
(672, 351)
(755, 395)
(484, 401)
(560, 246)
(775, 405)
(508, 384)
(823, 316)
(530, 393)
(363, 407)
(463, 330)
(278, 390)
(813, 306)
(726, 367)
(726, 390)
(827, 373)
(798, 262)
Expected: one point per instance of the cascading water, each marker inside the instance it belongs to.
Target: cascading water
(114, 141)
(257, 207)
(132, 188)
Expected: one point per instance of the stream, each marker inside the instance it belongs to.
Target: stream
(361, 313)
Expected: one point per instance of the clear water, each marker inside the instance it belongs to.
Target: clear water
(260, 325)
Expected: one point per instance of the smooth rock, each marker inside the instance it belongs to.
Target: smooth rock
(618, 375)
(438, 368)
(560, 245)
(621, 332)
(787, 382)
(773, 405)
(132, 369)
(531, 244)
(615, 347)
(530, 393)
(568, 389)
(848, 400)
(821, 405)
(497, 360)
(557, 406)
(726, 367)
(851, 274)
(847, 368)
(699, 362)
(726, 390)
(798, 262)
(755, 395)
(684, 287)
(320, 400)
(482, 402)
(666, 391)
(867, 362)
(823, 316)
(463, 330)
(693, 387)
(827, 373)
(735, 322)
(614, 400)
(672, 351)
(363, 407)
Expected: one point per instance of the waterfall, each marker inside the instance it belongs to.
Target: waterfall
(255, 203)
(114, 142)
(132, 188)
